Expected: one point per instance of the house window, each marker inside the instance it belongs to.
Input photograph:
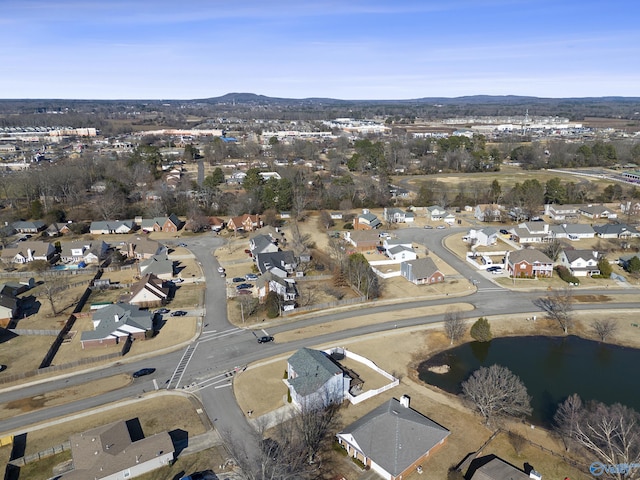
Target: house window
(127, 473)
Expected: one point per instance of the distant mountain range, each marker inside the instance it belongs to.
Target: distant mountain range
(252, 98)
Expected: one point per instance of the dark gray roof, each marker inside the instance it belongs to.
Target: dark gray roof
(313, 369)
(157, 265)
(573, 255)
(530, 255)
(127, 315)
(422, 268)
(394, 436)
(614, 229)
(268, 260)
(498, 469)
(488, 231)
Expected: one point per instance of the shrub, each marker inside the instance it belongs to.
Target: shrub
(481, 330)
(565, 274)
(348, 226)
(337, 447)
(358, 462)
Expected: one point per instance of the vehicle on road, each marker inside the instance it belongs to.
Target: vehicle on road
(495, 269)
(384, 235)
(179, 313)
(428, 227)
(220, 269)
(238, 279)
(244, 286)
(182, 244)
(251, 276)
(143, 371)
(441, 227)
(162, 311)
(265, 339)
(244, 292)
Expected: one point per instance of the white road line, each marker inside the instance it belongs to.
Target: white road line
(223, 386)
(184, 368)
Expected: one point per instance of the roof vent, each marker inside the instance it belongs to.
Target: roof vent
(404, 401)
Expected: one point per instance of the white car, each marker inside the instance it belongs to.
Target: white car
(220, 270)
(178, 280)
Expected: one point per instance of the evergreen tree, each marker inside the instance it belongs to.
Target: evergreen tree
(481, 330)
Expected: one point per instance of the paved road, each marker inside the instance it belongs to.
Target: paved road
(206, 363)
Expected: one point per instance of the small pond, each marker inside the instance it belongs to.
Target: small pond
(551, 368)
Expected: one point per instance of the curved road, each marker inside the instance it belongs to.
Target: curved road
(221, 347)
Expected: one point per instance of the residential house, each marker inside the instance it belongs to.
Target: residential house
(16, 288)
(118, 451)
(362, 240)
(245, 223)
(111, 226)
(572, 231)
(117, 322)
(581, 263)
(281, 264)
(8, 307)
(624, 260)
(560, 213)
(482, 237)
(366, 221)
(262, 244)
(436, 213)
(28, 251)
(399, 250)
(78, 251)
(449, 219)
(142, 248)
(170, 224)
(528, 263)
(148, 292)
(284, 287)
(56, 229)
(313, 379)
(616, 230)
(631, 208)
(531, 232)
(488, 212)
(497, 469)
(159, 265)
(397, 215)
(598, 211)
(394, 440)
(421, 271)
(216, 223)
(31, 227)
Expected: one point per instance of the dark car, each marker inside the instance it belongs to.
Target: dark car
(142, 372)
(179, 313)
(244, 292)
(162, 311)
(244, 286)
(238, 279)
(182, 244)
(265, 339)
(504, 232)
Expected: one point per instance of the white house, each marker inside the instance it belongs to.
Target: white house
(581, 263)
(397, 215)
(398, 250)
(435, 212)
(314, 379)
(488, 212)
(482, 237)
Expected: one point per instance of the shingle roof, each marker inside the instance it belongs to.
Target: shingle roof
(394, 436)
(128, 316)
(422, 268)
(530, 255)
(313, 369)
(498, 469)
(573, 255)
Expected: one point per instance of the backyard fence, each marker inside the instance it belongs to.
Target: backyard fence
(34, 457)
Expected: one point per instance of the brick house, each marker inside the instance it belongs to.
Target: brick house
(528, 263)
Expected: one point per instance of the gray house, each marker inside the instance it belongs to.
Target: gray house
(314, 379)
(117, 322)
(280, 264)
(421, 271)
(393, 439)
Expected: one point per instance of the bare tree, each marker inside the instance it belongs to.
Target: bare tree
(558, 306)
(496, 391)
(325, 220)
(612, 433)
(314, 424)
(51, 291)
(566, 418)
(604, 328)
(552, 249)
(454, 326)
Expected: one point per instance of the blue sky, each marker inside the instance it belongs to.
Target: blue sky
(376, 49)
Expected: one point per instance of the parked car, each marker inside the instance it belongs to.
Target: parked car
(246, 250)
(220, 269)
(428, 227)
(265, 339)
(243, 286)
(223, 274)
(143, 371)
(441, 227)
(238, 279)
(244, 292)
(162, 311)
(178, 280)
(384, 235)
(504, 232)
(251, 277)
(179, 313)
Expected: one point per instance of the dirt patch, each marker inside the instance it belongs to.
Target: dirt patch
(592, 298)
(66, 395)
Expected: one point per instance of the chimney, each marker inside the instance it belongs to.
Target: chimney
(116, 318)
(404, 401)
